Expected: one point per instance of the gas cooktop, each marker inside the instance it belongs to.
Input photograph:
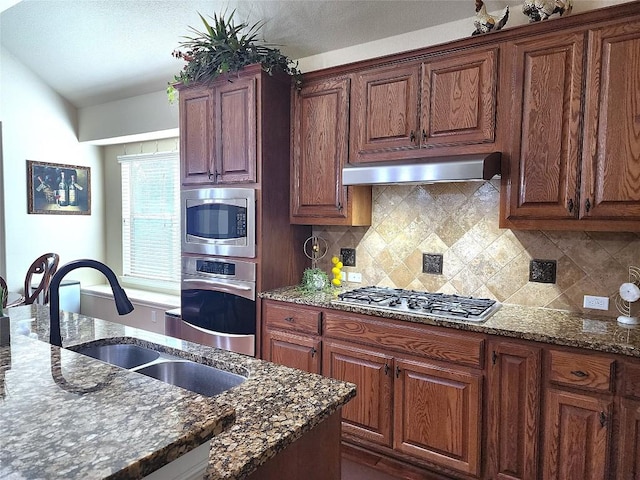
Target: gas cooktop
(440, 305)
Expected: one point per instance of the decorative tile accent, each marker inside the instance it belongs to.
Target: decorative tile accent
(460, 222)
(432, 263)
(542, 271)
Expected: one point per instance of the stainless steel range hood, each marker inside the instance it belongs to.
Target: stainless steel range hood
(457, 168)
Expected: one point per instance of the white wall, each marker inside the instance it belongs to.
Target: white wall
(38, 124)
(152, 113)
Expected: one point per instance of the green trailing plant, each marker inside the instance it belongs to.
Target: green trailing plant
(224, 47)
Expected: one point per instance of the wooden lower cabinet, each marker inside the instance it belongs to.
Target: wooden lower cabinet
(368, 415)
(438, 414)
(513, 419)
(628, 448)
(577, 436)
(296, 351)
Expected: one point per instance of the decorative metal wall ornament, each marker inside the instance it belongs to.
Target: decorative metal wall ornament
(485, 23)
(538, 10)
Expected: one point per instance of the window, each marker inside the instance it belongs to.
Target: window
(151, 220)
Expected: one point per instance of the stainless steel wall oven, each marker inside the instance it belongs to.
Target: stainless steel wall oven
(218, 304)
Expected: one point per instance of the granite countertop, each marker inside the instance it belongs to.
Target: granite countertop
(65, 415)
(545, 325)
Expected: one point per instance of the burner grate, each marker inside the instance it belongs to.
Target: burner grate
(421, 303)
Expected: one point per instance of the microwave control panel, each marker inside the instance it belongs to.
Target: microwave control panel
(217, 268)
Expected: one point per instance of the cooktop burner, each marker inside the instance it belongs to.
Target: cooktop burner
(421, 303)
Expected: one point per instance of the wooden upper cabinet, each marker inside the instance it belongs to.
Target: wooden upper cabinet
(218, 131)
(320, 125)
(546, 89)
(459, 100)
(575, 149)
(443, 106)
(384, 113)
(235, 124)
(611, 152)
(196, 134)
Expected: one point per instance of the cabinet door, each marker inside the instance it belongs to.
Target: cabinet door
(628, 448)
(235, 125)
(384, 114)
(459, 100)
(196, 135)
(611, 151)
(514, 378)
(438, 414)
(296, 351)
(576, 436)
(368, 415)
(319, 145)
(544, 151)
(320, 126)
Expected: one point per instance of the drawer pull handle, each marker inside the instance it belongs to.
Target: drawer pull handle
(398, 372)
(579, 373)
(313, 352)
(289, 319)
(603, 419)
(386, 368)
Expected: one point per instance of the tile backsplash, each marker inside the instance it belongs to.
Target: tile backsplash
(460, 222)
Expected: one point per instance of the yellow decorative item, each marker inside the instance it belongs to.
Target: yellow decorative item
(337, 271)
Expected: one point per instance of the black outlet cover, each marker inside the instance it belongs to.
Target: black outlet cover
(348, 257)
(432, 263)
(542, 271)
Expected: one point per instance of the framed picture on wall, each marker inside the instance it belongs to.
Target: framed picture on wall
(58, 189)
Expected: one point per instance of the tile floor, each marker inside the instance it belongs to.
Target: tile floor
(355, 471)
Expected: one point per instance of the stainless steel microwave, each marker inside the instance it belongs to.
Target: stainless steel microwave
(219, 221)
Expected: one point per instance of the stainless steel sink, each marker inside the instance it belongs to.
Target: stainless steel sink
(171, 369)
(195, 377)
(123, 355)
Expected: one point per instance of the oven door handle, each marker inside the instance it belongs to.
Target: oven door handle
(234, 289)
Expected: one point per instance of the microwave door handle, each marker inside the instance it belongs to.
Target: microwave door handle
(219, 285)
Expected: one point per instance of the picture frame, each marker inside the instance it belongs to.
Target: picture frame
(58, 189)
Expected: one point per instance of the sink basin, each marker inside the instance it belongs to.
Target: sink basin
(195, 377)
(123, 355)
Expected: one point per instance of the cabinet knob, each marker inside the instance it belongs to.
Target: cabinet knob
(412, 136)
(424, 135)
(398, 372)
(289, 319)
(386, 368)
(313, 352)
(570, 205)
(587, 205)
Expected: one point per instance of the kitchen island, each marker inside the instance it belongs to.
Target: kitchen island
(65, 415)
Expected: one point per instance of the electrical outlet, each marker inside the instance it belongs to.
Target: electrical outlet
(354, 277)
(343, 276)
(597, 303)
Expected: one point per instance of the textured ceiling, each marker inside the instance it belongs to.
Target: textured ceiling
(95, 51)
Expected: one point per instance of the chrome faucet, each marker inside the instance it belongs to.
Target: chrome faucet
(123, 304)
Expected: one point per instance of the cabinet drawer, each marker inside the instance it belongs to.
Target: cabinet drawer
(295, 318)
(582, 371)
(426, 341)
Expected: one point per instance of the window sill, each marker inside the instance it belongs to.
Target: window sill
(135, 295)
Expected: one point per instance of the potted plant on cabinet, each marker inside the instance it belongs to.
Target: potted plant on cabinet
(224, 47)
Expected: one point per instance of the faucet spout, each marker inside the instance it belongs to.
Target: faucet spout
(123, 304)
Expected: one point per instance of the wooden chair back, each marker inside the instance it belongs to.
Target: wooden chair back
(44, 266)
(5, 293)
